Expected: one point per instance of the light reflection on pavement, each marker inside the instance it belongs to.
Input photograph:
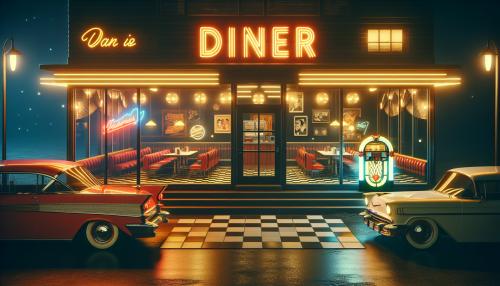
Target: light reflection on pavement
(385, 261)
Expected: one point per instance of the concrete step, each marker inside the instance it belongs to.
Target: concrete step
(270, 210)
(265, 202)
(263, 194)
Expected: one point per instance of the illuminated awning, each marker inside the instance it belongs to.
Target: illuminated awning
(170, 79)
(375, 79)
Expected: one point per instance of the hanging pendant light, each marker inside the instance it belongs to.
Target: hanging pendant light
(335, 123)
(150, 122)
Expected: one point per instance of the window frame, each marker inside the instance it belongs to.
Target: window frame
(484, 192)
(378, 42)
(42, 191)
(474, 185)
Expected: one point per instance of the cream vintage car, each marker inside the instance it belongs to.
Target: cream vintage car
(465, 204)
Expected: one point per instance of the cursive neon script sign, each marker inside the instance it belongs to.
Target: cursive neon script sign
(124, 121)
(95, 37)
(255, 42)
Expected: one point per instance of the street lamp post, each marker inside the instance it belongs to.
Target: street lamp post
(488, 54)
(13, 62)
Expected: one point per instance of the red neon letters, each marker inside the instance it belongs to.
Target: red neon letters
(124, 121)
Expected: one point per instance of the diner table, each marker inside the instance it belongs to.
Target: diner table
(183, 158)
(333, 163)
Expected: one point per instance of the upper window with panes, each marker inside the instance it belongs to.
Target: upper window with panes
(385, 41)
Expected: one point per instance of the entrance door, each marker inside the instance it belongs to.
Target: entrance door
(258, 144)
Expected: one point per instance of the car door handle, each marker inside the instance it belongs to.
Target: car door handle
(34, 198)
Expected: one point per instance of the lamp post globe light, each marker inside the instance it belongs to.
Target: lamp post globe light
(488, 54)
(12, 53)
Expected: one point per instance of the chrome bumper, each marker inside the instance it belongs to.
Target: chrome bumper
(383, 228)
(152, 219)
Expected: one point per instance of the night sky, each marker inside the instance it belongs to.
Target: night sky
(465, 113)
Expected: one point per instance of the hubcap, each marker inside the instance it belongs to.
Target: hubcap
(102, 232)
(421, 232)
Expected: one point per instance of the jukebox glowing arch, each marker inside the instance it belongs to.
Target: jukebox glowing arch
(365, 167)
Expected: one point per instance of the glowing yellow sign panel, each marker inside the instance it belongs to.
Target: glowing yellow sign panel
(279, 42)
(304, 39)
(204, 51)
(258, 46)
(95, 37)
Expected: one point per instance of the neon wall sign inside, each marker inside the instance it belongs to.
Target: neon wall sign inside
(124, 121)
(256, 42)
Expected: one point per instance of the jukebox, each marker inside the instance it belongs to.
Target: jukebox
(376, 164)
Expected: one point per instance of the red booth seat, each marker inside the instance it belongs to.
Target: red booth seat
(156, 161)
(312, 164)
(93, 164)
(410, 164)
(126, 160)
(351, 164)
(307, 162)
(201, 164)
(206, 161)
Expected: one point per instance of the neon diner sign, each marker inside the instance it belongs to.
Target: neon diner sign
(304, 38)
(124, 121)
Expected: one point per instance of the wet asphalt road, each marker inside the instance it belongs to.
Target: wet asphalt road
(385, 261)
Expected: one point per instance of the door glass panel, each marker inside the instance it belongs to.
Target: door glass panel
(250, 168)
(266, 163)
(259, 144)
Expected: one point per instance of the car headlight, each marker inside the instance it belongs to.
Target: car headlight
(388, 209)
(366, 201)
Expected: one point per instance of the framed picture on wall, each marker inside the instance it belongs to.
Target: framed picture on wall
(222, 123)
(194, 116)
(320, 131)
(300, 126)
(349, 116)
(296, 102)
(320, 116)
(170, 117)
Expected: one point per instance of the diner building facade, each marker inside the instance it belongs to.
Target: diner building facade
(253, 93)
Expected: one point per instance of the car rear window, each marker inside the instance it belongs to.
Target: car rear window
(456, 184)
(490, 190)
(79, 179)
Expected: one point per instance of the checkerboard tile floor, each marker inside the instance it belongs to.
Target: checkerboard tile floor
(222, 175)
(261, 231)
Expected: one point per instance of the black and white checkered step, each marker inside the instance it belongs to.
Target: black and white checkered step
(261, 231)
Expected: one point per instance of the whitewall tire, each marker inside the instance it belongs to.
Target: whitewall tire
(422, 234)
(101, 234)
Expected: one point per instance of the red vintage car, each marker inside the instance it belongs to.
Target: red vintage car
(53, 199)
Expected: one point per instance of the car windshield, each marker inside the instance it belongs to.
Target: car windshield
(457, 185)
(78, 178)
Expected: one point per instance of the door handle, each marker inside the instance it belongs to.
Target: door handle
(34, 198)
(277, 149)
(240, 151)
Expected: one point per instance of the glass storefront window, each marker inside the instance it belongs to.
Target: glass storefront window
(421, 113)
(89, 133)
(123, 117)
(360, 121)
(187, 133)
(312, 136)
(89, 116)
